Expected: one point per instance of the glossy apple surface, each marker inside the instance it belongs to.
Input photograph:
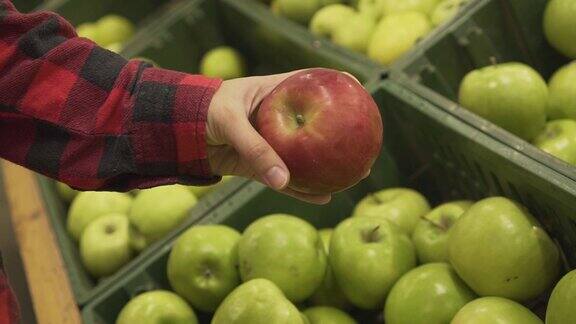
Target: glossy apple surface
(402, 206)
(562, 99)
(559, 139)
(355, 32)
(492, 310)
(561, 304)
(429, 294)
(202, 266)
(257, 301)
(430, 237)
(511, 95)
(326, 128)
(157, 307)
(327, 19)
(499, 249)
(223, 62)
(560, 26)
(285, 250)
(368, 255)
(327, 315)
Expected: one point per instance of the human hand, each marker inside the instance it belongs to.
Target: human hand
(234, 145)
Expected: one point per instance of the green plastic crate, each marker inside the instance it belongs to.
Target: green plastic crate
(432, 151)
(506, 30)
(27, 5)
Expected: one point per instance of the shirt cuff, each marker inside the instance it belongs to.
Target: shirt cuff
(169, 125)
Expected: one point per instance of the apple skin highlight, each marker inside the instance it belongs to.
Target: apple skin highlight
(326, 128)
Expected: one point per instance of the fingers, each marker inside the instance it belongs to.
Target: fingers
(258, 154)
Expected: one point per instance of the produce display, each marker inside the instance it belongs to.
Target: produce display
(281, 269)
(111, 228)
(384, 30)
(111, 31)
(545, 114)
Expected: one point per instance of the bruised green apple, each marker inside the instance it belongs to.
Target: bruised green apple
(396, 34)
(114, 29)
(492, 310)
(300, 11)
(66, 193)
(202, 266)
(561, 304)
(402, 206)
(559, 139)
(223, 62)
(257, 301)
(105, 245)
(325, 126)
(368, 255)
(445, 11)
(285, 250)
(89, 205)
(562, 98)
(560, 26)
(327, 19)
(430, 236)
(499, 249)
(390, 7)
(355, 32)
(157, 307)
(327, 315)
(156, 211)
(329, 293)
(430, 294)
(510, 95)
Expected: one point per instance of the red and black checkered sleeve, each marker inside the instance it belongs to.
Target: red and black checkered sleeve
(87, 117)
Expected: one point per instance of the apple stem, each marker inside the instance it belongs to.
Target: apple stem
(373, 235)
(300, 120)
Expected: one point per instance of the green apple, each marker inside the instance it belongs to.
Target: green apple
(157, 211)
(511, 95)
(368, 255)
(115, 47)
(402, 206)
(355, 32)
(327, 19)
(114, 29)
(223, 62)
(257, 301)
(90, 31)
(560, 26)
(492, 310)
(157, 307)
(202, 266)
(105, 245)
(562, 98)
(430, 236)
(66, 193)
(137, 240)
(390, 7)
(445, 11)
(89, 205)
(559, 139)
(396, 34)
(430, 294)
(285, 250)
(327, 315)
(561, 304)
(329, 293)
(275, 8)
(371, 7)
(300, 11)
(499, 249)
(201, 191)
(324, 3)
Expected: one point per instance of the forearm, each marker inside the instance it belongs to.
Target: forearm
(85, 116)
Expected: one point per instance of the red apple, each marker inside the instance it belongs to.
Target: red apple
(326, 128)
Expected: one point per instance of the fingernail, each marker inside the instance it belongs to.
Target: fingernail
(276, 177)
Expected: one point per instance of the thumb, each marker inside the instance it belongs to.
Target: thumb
(259, 155)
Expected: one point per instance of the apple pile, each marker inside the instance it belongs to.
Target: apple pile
(111, 32)
(112, 227)
(382, 29)
(515, 97)
(462, 262)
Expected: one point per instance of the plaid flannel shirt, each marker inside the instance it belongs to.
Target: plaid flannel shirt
(88, 117)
